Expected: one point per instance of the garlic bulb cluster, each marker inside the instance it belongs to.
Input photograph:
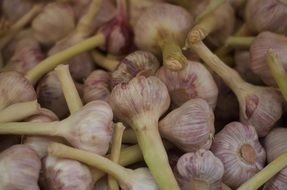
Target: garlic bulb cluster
(15, 9)
(137, 63)
(19, 168)
(53, 23)
(258, 52)
(97, 86)
(190, 127)
(194, 81)
(238, 147)
(63, 174)
(199, 170)
(266, 15)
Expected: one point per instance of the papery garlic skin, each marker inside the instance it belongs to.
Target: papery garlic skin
(258, 52)
(138, 62)
(53, 23)
(15, 9)
(237, 146)
(194, 81)
(63, 174)
(97, 86)
(266, 15)
(19, 168)
(190, 127)
(202, 166)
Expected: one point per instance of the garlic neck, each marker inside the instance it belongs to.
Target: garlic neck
(248, 153)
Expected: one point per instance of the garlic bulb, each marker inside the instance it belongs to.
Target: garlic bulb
(15, 9)
(190, 127)
(237, 146)
(97, 86)
(53, 23)
(19, 168)
(199, 170)
(27, 54)
(63, 174)
(266, 15)
(15, 88)
(138, 62)
(194, 81)
(258, 52)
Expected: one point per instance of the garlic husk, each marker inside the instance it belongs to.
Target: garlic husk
(237, 146)
(138, 62)
(64, 174)
(266, 15)
(97, 86)
(56, 16)
(190, 127)
(199, 167)
(278, 182)
(15, 9)
(22, 90)
(27, 54)
(194, 81)
(258, 54)
(19, 168)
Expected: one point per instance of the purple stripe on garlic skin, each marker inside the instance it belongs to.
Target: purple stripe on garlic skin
(237, 146)
(266, 15)
(194, 81)
(190, 127)
(63, 174)
(19, 168)
(199, 168)
(138, 62)
(258, 52)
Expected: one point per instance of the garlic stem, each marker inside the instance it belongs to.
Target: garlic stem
(278, 72)
(265, 174)
(211, 7)
(109, 64)
(129, 137)
(85, 24)
(283, 1)
(102, 163)
(225, 187)
(155, 156)
(71, 94)
(239, 41)
(199, 185)
(19, 111)
(173, 57)
(115, 152)
(51, 62)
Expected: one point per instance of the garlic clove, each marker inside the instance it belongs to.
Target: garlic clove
(97, 86)
(194, 81)
(237, 146)
(190, 127)
(19, 168)
(138, 62)
(198, 170)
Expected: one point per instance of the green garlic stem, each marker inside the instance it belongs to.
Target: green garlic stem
(278, 72)
(115, 152)
(266, 173)
(105, 62)
(71, 94)
(51, 62)
(211, 7)
(19, 111)
(130, 137)
(239, 41)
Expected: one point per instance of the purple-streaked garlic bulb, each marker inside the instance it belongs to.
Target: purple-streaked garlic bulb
(138, 62)
(97, 86)
(50, 95)
(275, 145)
(238, 147)
(194, 81)
(64, 174)
(19, 168)
(266, 15)
(15, 9)
(53, 23)
(163, 33)
(258, 52)
(27, 54)
(190, 127)
(199, 170)
(15, 88)
(243, 66)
